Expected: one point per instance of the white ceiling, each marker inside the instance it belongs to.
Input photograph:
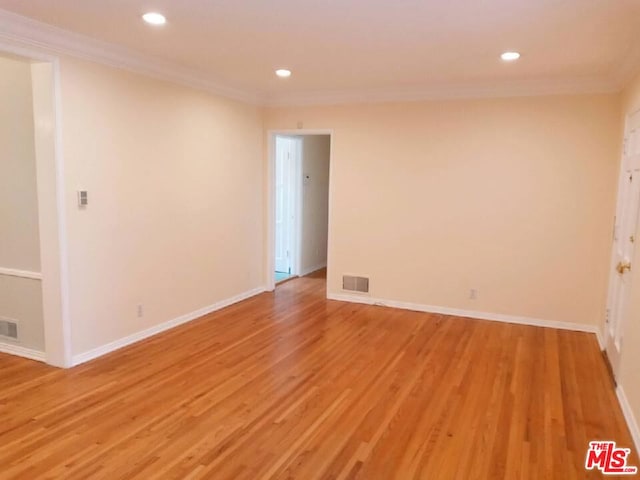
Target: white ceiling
(341, 47)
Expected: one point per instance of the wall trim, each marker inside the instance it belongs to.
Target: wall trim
(629, 417)
(26, 32)
(632, 423)
(12, 272)
(149, 332)
(600, 338)
(451, 91)
(29, 353)
(496, 317)
(53, 237)
(314, 268)
(270, 200)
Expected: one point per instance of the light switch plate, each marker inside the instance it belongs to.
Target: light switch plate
(83, 198)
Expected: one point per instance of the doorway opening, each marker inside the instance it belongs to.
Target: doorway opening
(33, 274)
(299, 225)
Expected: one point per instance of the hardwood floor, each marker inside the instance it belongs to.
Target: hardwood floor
(290, 385)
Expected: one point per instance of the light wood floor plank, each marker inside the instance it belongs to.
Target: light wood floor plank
(291, 385)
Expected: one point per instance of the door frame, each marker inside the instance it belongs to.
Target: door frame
(51, 212)
(270, 281)
(609, 340)
(295, 185)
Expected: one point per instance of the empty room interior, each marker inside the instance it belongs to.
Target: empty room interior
(311, 240)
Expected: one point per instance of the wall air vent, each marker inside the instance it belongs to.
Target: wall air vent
(8, 328)
(355, 284)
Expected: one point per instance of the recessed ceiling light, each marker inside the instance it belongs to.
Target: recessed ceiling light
(154, 18)
(510, 56)
(283, 73)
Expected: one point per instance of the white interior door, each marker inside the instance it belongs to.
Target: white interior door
(286, 200)
(625, 237)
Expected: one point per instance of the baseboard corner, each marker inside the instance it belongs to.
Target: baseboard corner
(630, 418)
(314, 268)
(600, 338)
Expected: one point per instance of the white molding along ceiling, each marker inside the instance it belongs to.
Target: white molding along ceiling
(23, 31)
(20, 31)
(452, 91)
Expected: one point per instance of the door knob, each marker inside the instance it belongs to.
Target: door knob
(623, 266)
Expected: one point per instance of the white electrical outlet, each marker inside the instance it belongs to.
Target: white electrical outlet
(473, 294)
(140, 311)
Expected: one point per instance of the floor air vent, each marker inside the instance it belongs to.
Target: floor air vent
(355, 284)
(8, 329)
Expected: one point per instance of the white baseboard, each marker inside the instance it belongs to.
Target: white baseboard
(629, 417)
(600, 338)
(22, 351)
(496, 317)
(626, 408)
(314, 268)
(149, 332)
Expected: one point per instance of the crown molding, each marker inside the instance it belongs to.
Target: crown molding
(527, 88)
(25, 32)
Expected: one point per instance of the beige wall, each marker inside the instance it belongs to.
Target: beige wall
(19, 243)
(629, 378)
(175, 213)
(20, 298)
(512, 197)
(315, 201)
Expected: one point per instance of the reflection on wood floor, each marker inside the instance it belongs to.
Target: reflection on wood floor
(291, 385)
